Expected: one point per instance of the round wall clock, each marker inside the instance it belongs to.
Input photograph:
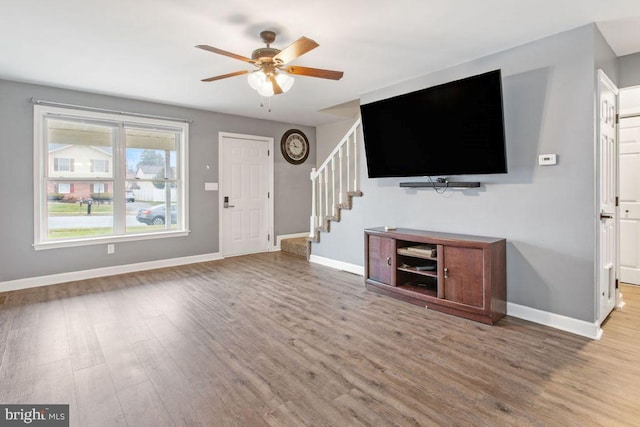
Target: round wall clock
(294, 146)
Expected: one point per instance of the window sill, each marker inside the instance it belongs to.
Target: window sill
(107, 239)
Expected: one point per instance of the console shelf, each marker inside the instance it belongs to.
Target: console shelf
(458, 274)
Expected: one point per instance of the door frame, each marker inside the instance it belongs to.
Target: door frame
(602, 80)
(631, 115)
(222, 136)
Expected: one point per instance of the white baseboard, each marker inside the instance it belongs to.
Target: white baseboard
(339, 265)
(575, 326)
(287, 236)
(33, 282)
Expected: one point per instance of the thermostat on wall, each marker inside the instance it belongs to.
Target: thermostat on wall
(547, 159)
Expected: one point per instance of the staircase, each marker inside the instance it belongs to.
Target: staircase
(335, 183)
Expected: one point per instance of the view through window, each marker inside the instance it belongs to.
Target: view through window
(105, 176)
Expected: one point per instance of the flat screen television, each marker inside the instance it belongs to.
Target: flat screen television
(456, 128)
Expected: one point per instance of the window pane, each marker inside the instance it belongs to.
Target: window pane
(79, 209)
(78, 149)
(151, 156)
(151, 177)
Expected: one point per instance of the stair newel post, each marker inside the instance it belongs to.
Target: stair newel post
(333, 185)
(340, 167)
(355, 160)
(314, 214)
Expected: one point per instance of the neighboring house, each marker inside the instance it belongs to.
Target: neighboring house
(79, 161)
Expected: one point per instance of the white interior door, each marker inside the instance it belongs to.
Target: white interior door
(246, 186)
(607, 110)
(630, 200)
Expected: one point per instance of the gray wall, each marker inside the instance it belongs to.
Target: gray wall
(547, 214)
(19, 260)
(328, 135)
(629, 70)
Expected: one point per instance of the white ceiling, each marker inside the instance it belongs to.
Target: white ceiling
(144, 49)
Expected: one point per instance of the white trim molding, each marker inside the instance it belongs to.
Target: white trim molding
(338, 265)
(53, 279)
(569, 324)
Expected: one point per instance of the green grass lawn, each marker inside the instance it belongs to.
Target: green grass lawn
(74, 209)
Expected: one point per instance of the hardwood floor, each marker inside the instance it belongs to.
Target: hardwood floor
(270, 339)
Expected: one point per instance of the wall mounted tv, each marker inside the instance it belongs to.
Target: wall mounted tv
(456, 128)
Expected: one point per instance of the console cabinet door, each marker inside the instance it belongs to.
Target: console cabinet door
(463, 275)
(381, 259)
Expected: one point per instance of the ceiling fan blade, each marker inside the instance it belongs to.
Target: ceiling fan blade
(225, 53)
(314, 72)
(277, 90)
(295, 49)
(224, 76)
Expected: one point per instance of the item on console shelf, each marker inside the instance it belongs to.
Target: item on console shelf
(423, 250)
(426, 267)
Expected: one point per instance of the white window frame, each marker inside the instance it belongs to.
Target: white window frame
(63, 160)
(104, 165)
(41, 112)
(67, 188)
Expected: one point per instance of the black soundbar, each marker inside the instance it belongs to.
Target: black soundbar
(439, 184)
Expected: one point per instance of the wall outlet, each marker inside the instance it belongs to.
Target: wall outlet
(111, 248)
(547, 159)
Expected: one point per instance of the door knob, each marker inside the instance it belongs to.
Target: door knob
(604, 215)
(226, 203)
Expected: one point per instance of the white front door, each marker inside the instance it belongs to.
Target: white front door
(246, 189)
(607, 110)
(630, 200)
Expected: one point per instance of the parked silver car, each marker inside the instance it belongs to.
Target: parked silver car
(156, 215)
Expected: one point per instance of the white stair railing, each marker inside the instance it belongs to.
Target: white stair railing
(329, 189)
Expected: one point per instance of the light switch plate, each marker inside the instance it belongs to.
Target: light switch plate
(547, 159)
(210, 186)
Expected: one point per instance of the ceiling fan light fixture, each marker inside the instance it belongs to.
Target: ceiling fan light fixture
(285, 81)
(260, 82)
(256, 79)
(266, 89)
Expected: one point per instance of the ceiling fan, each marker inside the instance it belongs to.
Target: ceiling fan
(272, 76)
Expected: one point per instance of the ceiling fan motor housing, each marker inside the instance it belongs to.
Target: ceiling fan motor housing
(264, 54)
